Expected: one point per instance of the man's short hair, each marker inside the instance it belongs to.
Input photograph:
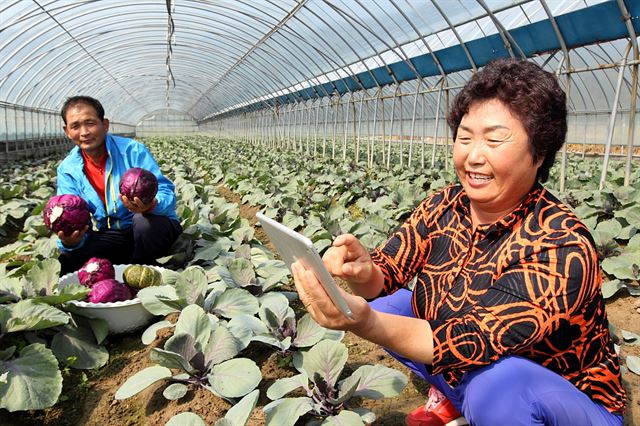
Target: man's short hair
(74, 100)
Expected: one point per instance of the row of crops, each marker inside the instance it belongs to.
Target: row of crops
(226, 287)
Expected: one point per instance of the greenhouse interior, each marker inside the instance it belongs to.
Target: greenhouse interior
(331, 117)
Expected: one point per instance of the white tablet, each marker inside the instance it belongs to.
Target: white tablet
(297, 248)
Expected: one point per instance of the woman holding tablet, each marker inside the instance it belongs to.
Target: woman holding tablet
(506, 320)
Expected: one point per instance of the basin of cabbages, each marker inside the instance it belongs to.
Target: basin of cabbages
(122, 317)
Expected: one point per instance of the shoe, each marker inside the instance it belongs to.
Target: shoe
(438, 411)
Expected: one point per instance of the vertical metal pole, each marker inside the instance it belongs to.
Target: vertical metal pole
(335, 129)
(372, 136)
(359, 131)
(401, 132)
(632, 122)
(435, 136)
(563, 161)
(315, 130)
(423, 138)
(612, 120)
(324, 136)
(446, 134)
(393, 113)
(346, 127)
(413, 122)
(308, 127)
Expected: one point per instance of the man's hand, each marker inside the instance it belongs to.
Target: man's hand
(137, 206)
(74, 238)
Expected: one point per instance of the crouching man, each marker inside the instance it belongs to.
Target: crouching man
(128, 231)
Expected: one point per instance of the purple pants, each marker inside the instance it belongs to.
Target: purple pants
(511, 391)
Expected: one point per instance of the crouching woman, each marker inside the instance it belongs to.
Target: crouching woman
(506, 319)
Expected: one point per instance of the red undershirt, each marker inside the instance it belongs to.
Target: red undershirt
(95, 173)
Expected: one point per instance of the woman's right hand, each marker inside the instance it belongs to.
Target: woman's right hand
(348, 259)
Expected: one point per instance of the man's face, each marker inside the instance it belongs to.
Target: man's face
(85, 129)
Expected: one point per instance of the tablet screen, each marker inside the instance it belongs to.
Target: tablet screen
(295, 247)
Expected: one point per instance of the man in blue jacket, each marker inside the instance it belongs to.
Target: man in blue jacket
(128, 231)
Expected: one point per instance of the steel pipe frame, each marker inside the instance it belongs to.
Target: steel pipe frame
(246, 54)
(634, 91)
(567, 64)
(457, 35)
(612, 121)
(47, 65)
(330, 47)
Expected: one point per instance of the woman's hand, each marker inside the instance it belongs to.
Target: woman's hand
(74, 238)
(137, 206)
(349, 260)
(321, 307)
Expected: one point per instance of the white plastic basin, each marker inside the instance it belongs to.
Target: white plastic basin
(122, 317)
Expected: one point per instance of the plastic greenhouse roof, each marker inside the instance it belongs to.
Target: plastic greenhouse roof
(206, 57)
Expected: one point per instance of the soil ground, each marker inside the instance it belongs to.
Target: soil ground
(88, 396)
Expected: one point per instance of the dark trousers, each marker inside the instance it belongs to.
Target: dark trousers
(149, 238)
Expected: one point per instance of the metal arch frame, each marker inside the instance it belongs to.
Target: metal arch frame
(276, 88)
(246, 54)
(422, 37)
(352, 17)
(15, 68)
(327, 58)
(356, 54)
(266, 46)
(107, 87)
(351, 20)
(52, 59)
(75, 17)
(597, 80)
(83, 48)
(420, 80)
(405, 58)
(567, 64)
(337, 66)
(634, 90)
(504, 33)
(242, 73)
(457, 35)
(19, 94)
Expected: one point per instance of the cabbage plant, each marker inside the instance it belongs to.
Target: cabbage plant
(201, 352)
(41, 335)
(236, 416)
(276, 326)
(327, 397)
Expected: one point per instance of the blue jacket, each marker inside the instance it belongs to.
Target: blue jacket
(122, 154)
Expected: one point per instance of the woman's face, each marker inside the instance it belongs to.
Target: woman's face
(493, 161)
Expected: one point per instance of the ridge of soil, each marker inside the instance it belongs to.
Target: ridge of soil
(88, 396)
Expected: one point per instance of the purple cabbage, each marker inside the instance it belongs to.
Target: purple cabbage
(94, 270)
(109, 290)
(141, 183)
(66, 213)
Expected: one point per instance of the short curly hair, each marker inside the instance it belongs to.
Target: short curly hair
(533, 95)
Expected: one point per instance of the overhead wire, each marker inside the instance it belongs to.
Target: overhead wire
(170, 42)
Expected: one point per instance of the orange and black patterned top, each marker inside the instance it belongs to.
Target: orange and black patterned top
(527, 285)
